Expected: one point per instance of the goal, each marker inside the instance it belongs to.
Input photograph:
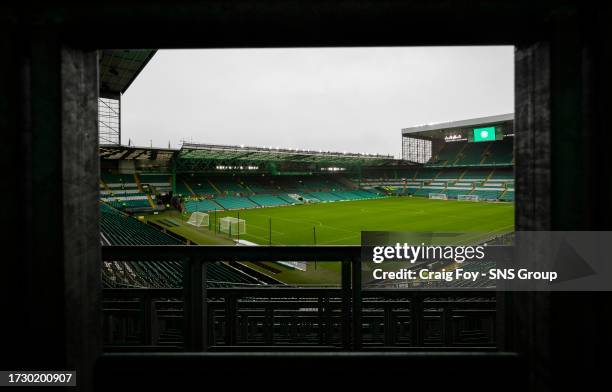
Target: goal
(198, 219)
(232, 226)
(468, 197)
(438, 196)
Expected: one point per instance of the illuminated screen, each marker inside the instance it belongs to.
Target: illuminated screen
(485, 134)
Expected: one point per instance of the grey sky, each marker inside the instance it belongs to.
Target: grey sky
(346, 99)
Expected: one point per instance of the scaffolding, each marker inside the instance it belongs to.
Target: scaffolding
(109, 121)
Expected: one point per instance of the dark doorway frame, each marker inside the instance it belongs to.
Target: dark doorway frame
(48, 109)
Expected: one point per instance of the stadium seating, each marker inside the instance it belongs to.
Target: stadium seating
(112, 178)
(126, 203)
(507, 196)
(349, 195)
(426, 173)
(476, 174)
(201, 205)
(262, 191)
(308, 198)
(472, 153)
(289, 199)
(487, 194)
(268, 200)
(128, 193)
(450, 174)
(199, 185)
(424, 192)
(181, 188)
(320, 184)
(407, 173)
(161, 182)
(500, 152)
(453, 193)
(123, 191)
(326, 196)
(119, 229)
(148, 178)
(502, 174)
(234, 202)
(365, 194)
(262, 184)
(228, 185)
(447, 155)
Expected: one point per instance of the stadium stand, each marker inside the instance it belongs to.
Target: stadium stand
(502, 174)
(259, 191)
(128, 203)
(227, 185)
(268, 200)
(197, 184)
(454, 192)
(320, 184)
(121, 180)
(160, 182)
(447, 156)
(500, 152)
(124, 191)
(450, 174)
(289, 199)
(507, 196)
(476, 174)
(325, 196)
(426, 173)
(262, 184)
(201, 205)
(487, 194)
(458, 168)
(234, 202)
(182, 189)
(119, 229)
(472, 154)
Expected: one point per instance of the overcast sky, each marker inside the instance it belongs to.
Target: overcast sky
(347, 99)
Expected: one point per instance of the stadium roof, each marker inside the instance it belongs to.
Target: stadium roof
(135, 153)
(119, 68)
(203, 157)
(223, 153)
(441, 129)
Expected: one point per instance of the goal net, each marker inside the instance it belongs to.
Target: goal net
(467, 197)
(232, 226)
(198, 219)
(438, 196)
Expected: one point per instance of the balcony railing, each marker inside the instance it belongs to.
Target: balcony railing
(349, 317)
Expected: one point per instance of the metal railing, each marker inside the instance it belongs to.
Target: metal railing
(344, 318)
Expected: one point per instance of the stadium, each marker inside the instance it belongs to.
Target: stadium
(239, 265)
(289, 197)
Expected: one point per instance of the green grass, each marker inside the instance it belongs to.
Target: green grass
(341, 223)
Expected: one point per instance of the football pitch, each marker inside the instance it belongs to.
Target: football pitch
(341, 223)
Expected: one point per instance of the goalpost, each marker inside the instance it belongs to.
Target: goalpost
(232, 226)
(468, 197)
(198, 219)
(438, 196)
